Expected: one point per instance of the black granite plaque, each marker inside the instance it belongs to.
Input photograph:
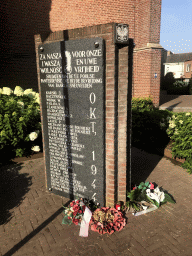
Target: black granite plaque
(72, 95)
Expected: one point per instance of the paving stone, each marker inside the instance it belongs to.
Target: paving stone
(44, 244)
(134, 251)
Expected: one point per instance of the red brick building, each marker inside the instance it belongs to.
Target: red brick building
(188, 69)
(23, 19)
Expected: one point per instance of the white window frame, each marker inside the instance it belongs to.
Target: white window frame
(188, 67)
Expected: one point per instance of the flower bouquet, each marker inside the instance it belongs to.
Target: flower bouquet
(146, 197)
(75, 211)
(107, 220)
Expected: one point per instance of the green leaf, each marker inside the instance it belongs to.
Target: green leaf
(141, 185)
(169, 199)
(153, 201)
(66, 221)
(146, 184)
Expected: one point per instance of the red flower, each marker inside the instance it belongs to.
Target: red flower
(134, 188)
(75, 213)
(72, 203)
(75, 208)
(69, 218)
(75, 221)
(77, 201)
(80, 211)
(152, 186)
(83, 208)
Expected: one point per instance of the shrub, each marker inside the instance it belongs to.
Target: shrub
(142, 104)
(180, 132)
(178, 88)
(167, 81)
(19, 117)
(190, 86)
(149, 128)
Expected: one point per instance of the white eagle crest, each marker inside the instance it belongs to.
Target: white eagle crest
(122, 33)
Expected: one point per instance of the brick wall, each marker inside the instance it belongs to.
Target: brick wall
(24, 19)
(187, 74)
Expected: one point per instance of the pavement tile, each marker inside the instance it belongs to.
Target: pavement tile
(153, 247)
(140, 248)
(28, 226)
(125, 253)
(95, 248)
(53, 230)
(6, 245)
(106, 248)
(49, 237)
(37, 248)
(23, 233)
(58, 225)
(34, 221)
(134, 251)
(44, 244)
(157, 252)
(111, 245)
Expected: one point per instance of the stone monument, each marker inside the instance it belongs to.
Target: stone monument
(86, 111)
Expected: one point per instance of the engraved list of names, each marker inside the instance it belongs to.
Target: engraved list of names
(72, 100)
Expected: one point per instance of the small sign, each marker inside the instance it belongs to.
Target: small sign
(121, 33)
(155, 75)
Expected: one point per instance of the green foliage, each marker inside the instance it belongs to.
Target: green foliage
(149, 128)
(19, 116)
(168, 198)
(167, 81)
(153, 201)
(178, 88)
(139, 194)
(190, 86)
(66, 221)
(180, 133)
(142, 104)
(143, 186)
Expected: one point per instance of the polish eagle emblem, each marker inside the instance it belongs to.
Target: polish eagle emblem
(122, 33)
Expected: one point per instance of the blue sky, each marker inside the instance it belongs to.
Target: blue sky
(176, 25)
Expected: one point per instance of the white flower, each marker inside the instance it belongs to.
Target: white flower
(180, 121)
(21, 104)
(157, 195)
(187, 114)
(162, 196)
(36, 148)
(173, 116)
(37, 98)
(176, 131)
(33, 136)
(156, 190)
(18, 91)
(30, 93)
(7, 91)
(172, 124)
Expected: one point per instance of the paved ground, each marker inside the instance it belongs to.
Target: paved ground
(31, 217)
(176, 103)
